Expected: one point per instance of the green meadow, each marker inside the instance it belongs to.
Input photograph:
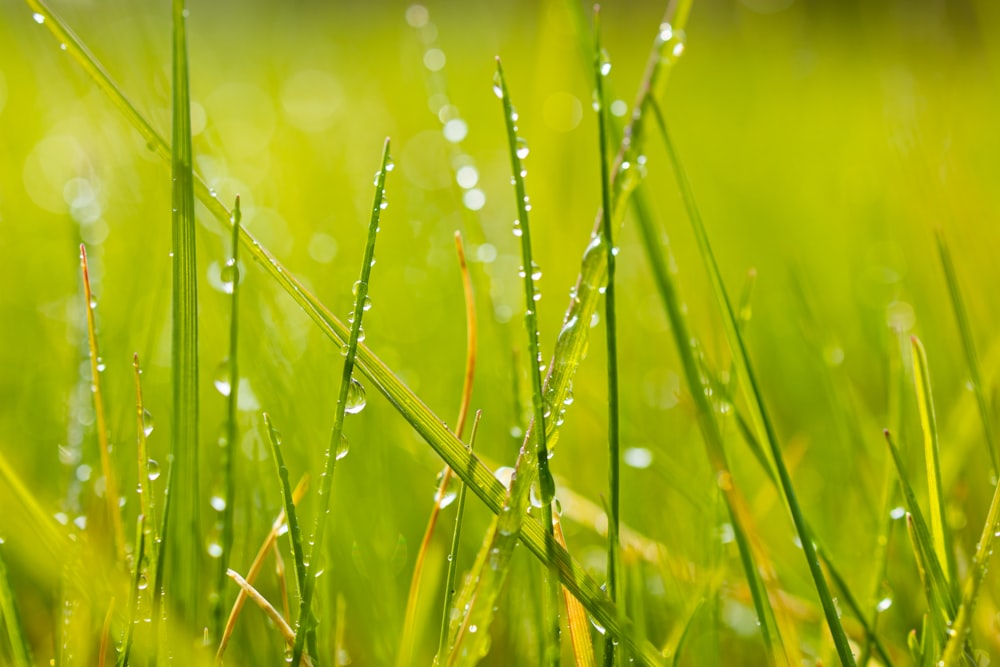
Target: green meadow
(499, 333)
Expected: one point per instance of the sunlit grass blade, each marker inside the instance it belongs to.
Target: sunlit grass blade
(969, 346)
(111, 494)
(273, 614)
(147, 472)
(349, 388)
(576, 619)
(256, 566)
(934, 625)
(940, 602)
(230, 277)
(135, 593)
(932, 456)
(441, 497)
(517, 147)
(601, 68)
(469, 634)
(19, 645)
(570, 345)
(751, 390)
(186, 543)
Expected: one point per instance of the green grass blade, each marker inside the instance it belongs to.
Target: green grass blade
(452, 577)
(186, 543)
(12, 619)
(941, 601)
(932, 456)
(601, 69)
(748, 382)
(969, 345)
(934, 626)
(231, 277)
(529, 274)
(291, 516)
(111, 494)
(134, 593)
(569, 347)
(336, 450)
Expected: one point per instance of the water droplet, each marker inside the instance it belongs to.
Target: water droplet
(384, 204)
(214, 549)
(638, 457)
(39, 19)
(342, 447)
(147, 422)
(390, 165)
(522, 148)
(80, 522)
(884, 604)
(101, 366)
(597, 626)
(897, 513)
(356, 399)
(143, 582)
(605, 62)
(229, 275)
(153, 470)
(218, 503)
(497, 81)
(222, 383)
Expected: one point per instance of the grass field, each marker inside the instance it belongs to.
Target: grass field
(769, 438)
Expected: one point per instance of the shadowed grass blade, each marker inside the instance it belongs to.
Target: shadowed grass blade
(969, 345)
(601, 69)
(517, 147)
(185, 543)
(12, 619)
(441, 497)
(111, 494)
(348, 385)
(230, 277)
(751, 390)
(569, 347)
(932, 457)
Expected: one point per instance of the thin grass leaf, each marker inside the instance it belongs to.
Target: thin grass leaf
(569, 347)
(186, 546)
(230, 277)
(751, 390)
(940, 602)
(932, 456)
(934, 625)
(102, 654)
(19, 645)
(337, 448)
(441, 498)
(273, 614)
(969, 345)
(601, 69)
(135, 592)
(517, 147)
(279, 573)
(148, 472)
(288, 500)
(576, 620)
(452, 577)
(111, 494)
(256, 566)
(477, 601)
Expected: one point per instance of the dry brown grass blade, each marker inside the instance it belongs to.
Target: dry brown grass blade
(256, 567)
(279, 621)
(576, 616)
(405, 655)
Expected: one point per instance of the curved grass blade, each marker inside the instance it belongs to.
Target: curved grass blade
(569, 348)
(273, 614)
(19, 646)
(932, 457)
(440, 496)
(754, 398)
(941, 602)
(230, 276)
(601, 69)
(256, 566)
(529, 274)
(452, 578)
(185, 545)
(111, 494)
(969, 345)
(135, 592)
(335, 449)
(576, 619)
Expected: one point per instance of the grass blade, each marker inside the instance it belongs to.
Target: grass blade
(135, 593)
(185, 545)
(569, 347)
(440, 496)
(576, 619)
(932, 456)
(102, 655)
(941, 602)
(273, 614)
(348, 384)
(449, 591)
(230, 277)
(529, 274)
(291, 516)
(12, 619)
(111, 494)
(969, 345)
(256, 566)
(754, 398)
(934, 626)
(601, 69)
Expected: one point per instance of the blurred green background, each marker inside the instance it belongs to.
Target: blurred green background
(825, 142)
